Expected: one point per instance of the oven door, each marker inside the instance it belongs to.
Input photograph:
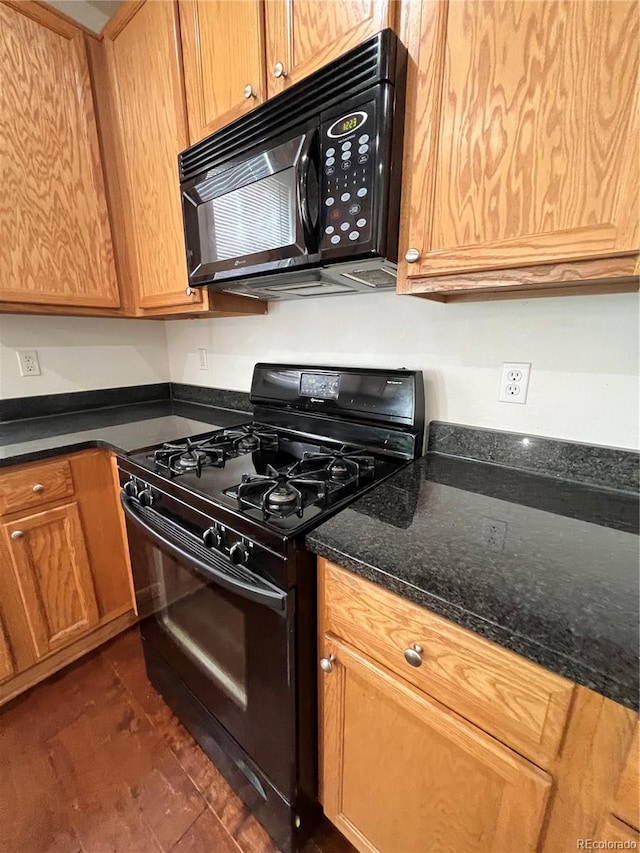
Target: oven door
(254, 216)
(225, 633)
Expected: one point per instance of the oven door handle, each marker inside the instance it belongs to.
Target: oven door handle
(254, 588)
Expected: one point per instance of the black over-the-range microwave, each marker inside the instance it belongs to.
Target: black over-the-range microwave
(301, 196)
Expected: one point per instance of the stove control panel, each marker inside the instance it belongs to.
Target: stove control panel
(347, 164)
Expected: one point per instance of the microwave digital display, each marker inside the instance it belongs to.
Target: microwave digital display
(347, 124)
(320, 385)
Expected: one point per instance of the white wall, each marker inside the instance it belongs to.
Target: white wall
(584, 352)
(81, 353)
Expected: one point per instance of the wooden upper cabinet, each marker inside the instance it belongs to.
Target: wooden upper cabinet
(521, 141)
(55, 242)
(48, 557)
(145, 73)
(303, 35)
(223, 57)
(402, 773)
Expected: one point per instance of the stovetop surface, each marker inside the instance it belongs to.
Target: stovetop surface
(320, 490)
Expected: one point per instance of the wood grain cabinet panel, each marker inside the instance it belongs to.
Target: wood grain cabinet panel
(30, 486)
(303, 35)
(522, 141)
(223, 57)
(7, 667)
(626, 804)
(520, 703)
(145, 72)
(48, 555)
(402, 774)
(55, 241)
(617, 835)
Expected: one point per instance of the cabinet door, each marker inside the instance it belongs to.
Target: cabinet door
(7, 668)
(223, 57)
(402, 774)
(55, 242)
(303, 35)
(48, 556)
(143, 56)
(522, 133)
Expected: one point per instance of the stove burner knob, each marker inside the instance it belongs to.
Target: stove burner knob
(131, 489)
(146, 497)
(212, 538)
(238, 553)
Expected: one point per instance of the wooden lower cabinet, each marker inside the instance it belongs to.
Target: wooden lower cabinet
(65, 579)
(412, 762)
(403, 774)
(49, 558)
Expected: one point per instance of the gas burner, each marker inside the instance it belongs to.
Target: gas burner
(246, 439)
(339, 465)
(189, 456)
(279, 493)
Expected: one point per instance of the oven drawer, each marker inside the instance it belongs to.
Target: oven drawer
(32, 485)
(522, 704)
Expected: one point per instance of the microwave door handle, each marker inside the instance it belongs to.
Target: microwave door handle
(303, 164)
(263, 594)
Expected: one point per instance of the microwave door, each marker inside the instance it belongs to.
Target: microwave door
(257, 215)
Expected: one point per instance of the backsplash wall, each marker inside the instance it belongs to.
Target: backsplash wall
(583, 350)
(81, 353)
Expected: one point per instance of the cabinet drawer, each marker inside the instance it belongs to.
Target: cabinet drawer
(520, 703)
(33, 485)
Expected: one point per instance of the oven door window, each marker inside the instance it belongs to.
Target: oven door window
(253, 214)
(208, 628)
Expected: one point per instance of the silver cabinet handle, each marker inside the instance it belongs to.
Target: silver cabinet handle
(17, 534)
(411, 256)
(38, 488)
(326, 664)
(413, 655)
(278, 70)
(189, 291)
(248, 91)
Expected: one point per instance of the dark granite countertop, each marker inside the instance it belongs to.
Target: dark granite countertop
(122, 428)
(543, 566)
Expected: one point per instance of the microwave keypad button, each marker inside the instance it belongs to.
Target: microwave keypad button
(329, 161)
(361, 223)
(335, 214)
(329, 170)
(335, 239)
(330, 229)
(363, 158)
(346, 165)
(363, 149)
(361, 193)
(331, 200)
(354, 208)
(345, 226)
(330, 152)
(345, 155)
(345, 196)
(363, 139)
(354, 235)
(346, 145)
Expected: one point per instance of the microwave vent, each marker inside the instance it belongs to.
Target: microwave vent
(374, 277)
(366, 65)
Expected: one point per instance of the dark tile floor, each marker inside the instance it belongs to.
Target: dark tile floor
(93, 761)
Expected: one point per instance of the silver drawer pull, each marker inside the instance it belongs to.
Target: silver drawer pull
(326, 664)
(279, 70)
(17, 534)
(248, 91)
(411, 256)
(38, 488)
(413, 655)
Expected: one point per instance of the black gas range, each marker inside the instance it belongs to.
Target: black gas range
(216, 526)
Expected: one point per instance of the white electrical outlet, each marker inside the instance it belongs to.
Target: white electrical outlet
(494, 532)
(514, 383)
(203, 361)
(28, 361)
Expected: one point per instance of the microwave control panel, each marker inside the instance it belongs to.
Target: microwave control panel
(347, 180)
